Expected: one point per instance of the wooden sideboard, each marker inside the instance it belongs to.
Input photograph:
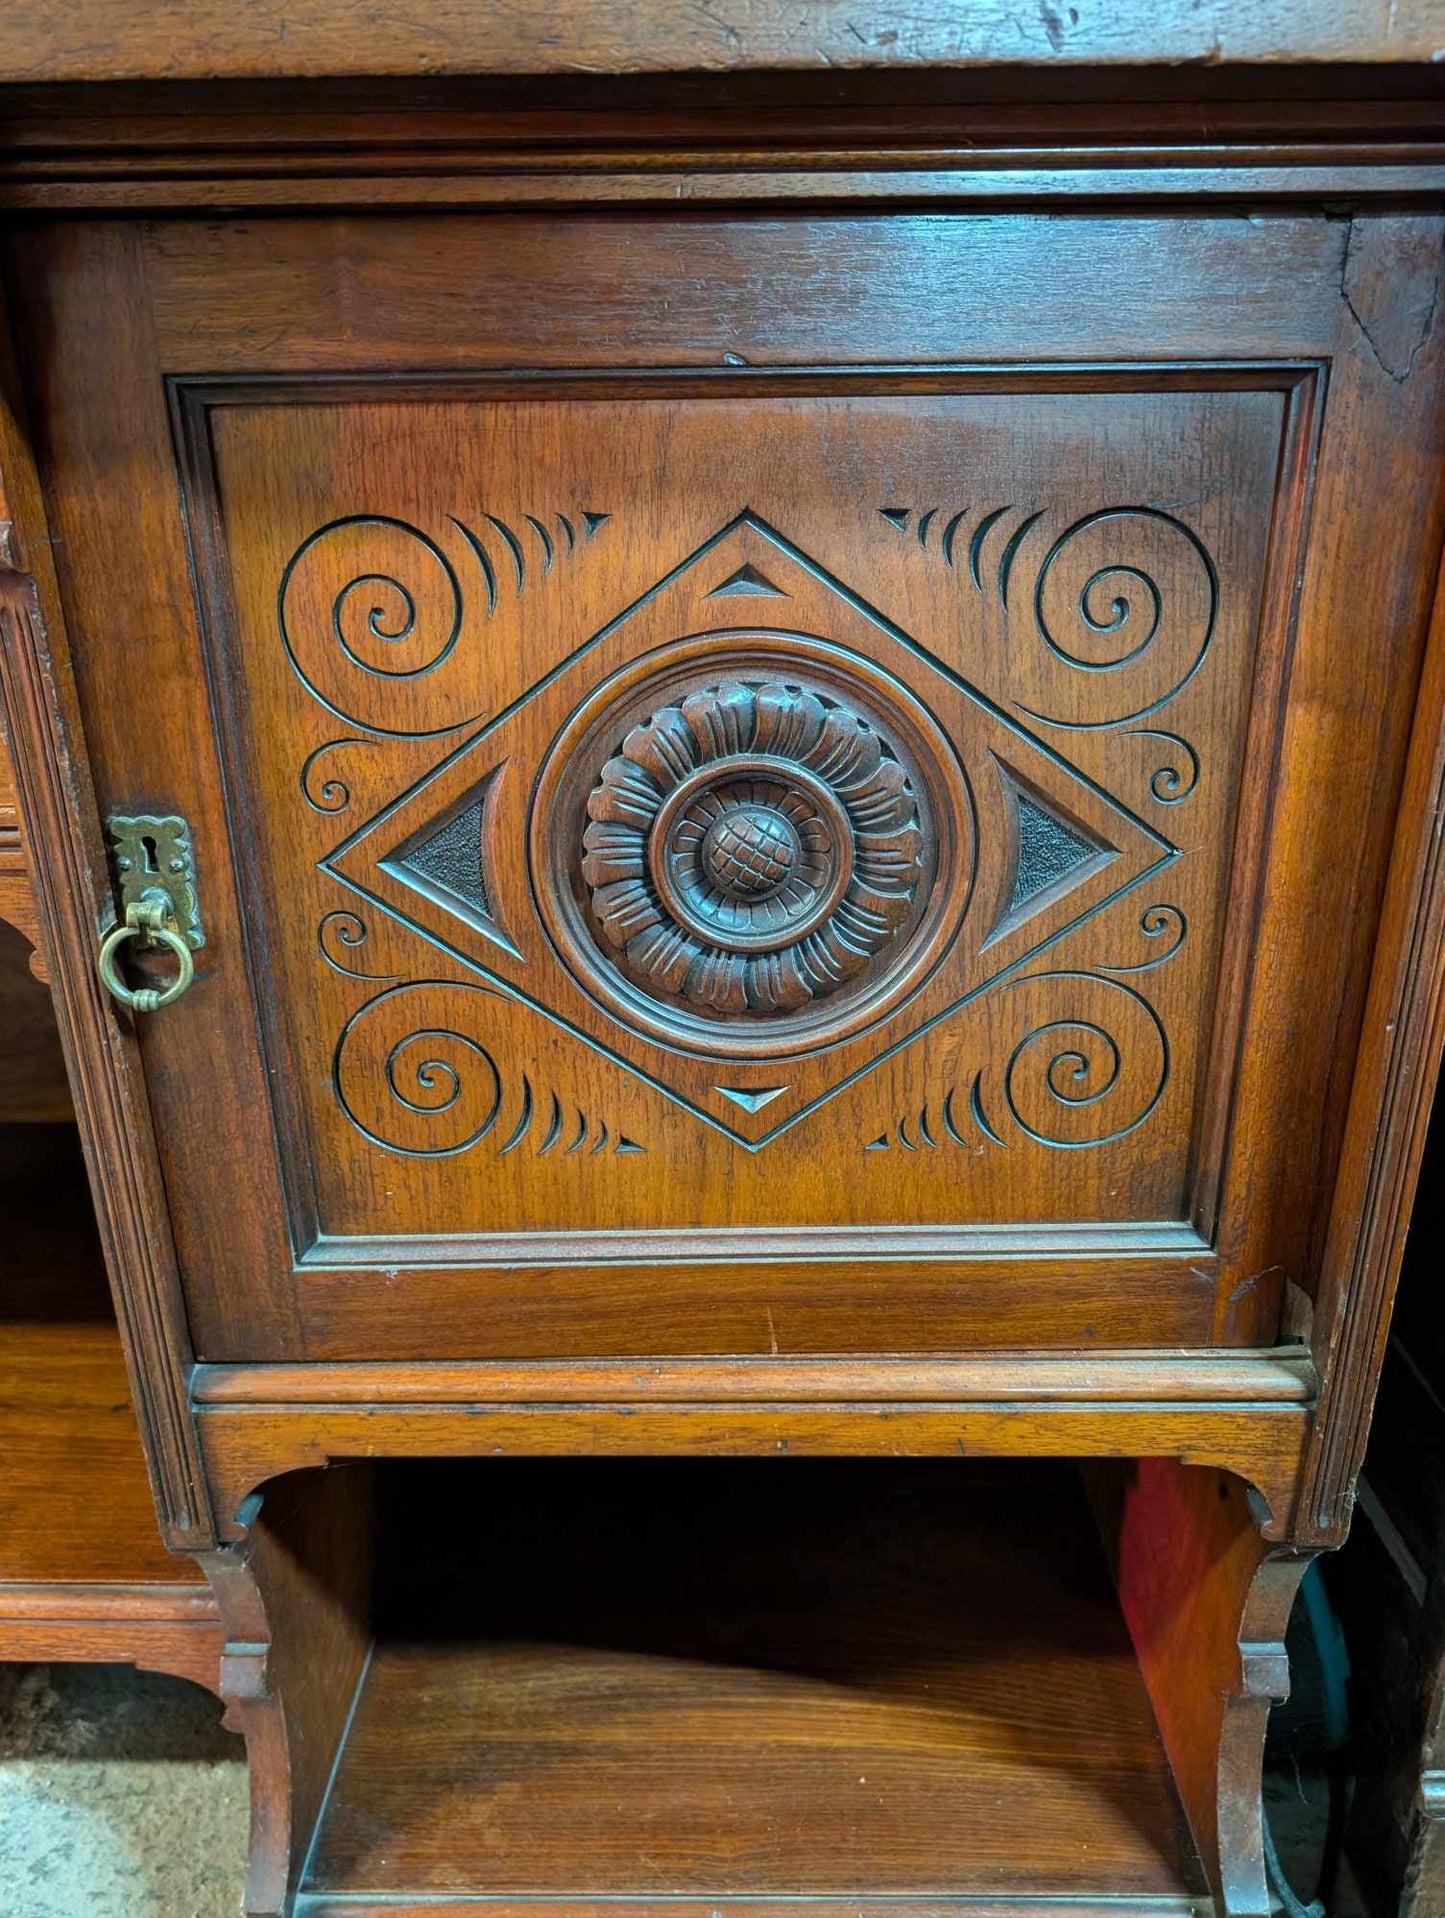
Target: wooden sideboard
(762, 757)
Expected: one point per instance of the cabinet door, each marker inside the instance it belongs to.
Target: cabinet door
(757, 784)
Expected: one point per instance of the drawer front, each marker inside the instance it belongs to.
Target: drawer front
(790, 849)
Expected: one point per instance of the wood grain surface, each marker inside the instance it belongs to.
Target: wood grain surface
(157, 1628)
(745, 1680)
(72, 890)
(1280, 1375)
(33, 1085)
(293, 1597)
(245, 1445)
(92, 40)
(1244, 731)
(446, 570)
(17, 896)
(1207, 1601)
(755, 140)
(75, 1502)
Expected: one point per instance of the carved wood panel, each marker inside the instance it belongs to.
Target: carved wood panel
(805, 809)
(1006, 1127)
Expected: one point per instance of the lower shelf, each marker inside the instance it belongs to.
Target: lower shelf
(84, 1573)
(693, 1685)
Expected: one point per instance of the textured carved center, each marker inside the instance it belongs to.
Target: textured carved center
(752, 847)
(750, 851)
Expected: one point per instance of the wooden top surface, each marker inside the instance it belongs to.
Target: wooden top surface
(201, 39)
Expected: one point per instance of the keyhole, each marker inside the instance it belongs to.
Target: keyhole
(148, 847)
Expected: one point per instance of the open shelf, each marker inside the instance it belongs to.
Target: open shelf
(705, 1681)
(75, 1503)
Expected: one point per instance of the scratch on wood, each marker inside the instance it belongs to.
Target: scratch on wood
(1390, 281)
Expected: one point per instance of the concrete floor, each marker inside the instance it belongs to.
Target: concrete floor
(120, 1796)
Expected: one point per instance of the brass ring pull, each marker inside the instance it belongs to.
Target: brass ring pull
(145, 921)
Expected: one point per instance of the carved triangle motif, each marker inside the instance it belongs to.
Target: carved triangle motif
(450, 859)
(447, 863)
(751, 1101)
(747, 580)
(1049, 850)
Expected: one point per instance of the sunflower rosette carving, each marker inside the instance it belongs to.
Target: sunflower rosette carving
(752, 848)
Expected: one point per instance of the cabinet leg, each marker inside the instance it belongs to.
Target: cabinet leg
(1207, 1600)
(294, 1602)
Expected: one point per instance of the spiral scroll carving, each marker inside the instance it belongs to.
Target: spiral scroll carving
(415, 1083)
(1166, 928)
(325, 791)
(340, 937)
(367, 605)
(1176, 779)
(413, 1077)
(1088, 1064)
(752, 848)
(1125, 602)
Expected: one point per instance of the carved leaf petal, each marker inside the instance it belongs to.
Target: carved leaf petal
(882, 906)
(859, 926)
(665, 953)
(664, 747)
(777, 983)
(789, 723)
(887, 863)
(625, 909)
(626, 794)
(612, 852)
(883, 802)
(721, 720)
(846, 752)
(717, 979)
(826, 961)
(844, 945)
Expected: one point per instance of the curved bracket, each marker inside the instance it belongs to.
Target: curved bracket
(1207, 1600)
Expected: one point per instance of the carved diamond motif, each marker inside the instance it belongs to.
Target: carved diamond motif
(749, 843)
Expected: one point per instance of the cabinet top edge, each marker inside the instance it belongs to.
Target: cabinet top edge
(97, 40)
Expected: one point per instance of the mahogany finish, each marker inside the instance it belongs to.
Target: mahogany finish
(1206, 1600)
(70, 1442)
(815, 816)
(1184, 1069)
(17, 898)
(83, 1571)
(84, 1574)
(294, 1605)
(33, 1085)
(768, 1679)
